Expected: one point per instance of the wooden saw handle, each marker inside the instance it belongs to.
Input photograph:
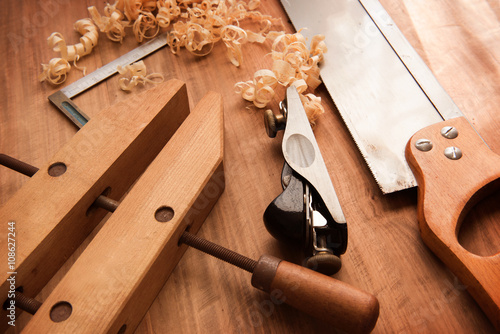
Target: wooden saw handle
(447, 190)
(323, 297)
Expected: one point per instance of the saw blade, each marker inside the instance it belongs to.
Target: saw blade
(381, 87)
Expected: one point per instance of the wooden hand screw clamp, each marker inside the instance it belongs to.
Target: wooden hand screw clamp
(112, 284)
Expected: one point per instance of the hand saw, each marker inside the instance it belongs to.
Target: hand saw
(407, 128)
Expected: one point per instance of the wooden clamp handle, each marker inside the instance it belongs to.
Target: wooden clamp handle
(338, 303)
(448, 188)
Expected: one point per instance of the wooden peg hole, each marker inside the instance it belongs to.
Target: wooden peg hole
(164, 214)
(57, 169)
(122, 329)
(60, 311)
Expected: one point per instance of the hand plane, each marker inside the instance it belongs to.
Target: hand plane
(307, 212)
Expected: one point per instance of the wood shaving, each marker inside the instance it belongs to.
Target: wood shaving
(195, 25)
(131, 8)
(145, 26)
(168, 11)
(198, 40)
(220, 20)
(312, 106)
(260, 90)
(56, 70)
(111, 24)
(136, 73)
(234, 37)
(293, 64)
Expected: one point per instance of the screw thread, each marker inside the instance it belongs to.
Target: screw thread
(26, 303)
(218, 251)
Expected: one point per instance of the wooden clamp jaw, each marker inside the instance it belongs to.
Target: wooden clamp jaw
(112, 284)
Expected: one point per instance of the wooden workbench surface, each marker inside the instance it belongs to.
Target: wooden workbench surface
(459, 40)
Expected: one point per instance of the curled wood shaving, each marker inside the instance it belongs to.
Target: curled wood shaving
(145, 26)
(284, 71)
(260, 90)
(198, 40)
(293, 64)
(195, 25)
(168, 11)
(220, 20)
(56, 70)
(112, 24)
(234, 37)
(312, 106)
(131, 8)
(136, 73)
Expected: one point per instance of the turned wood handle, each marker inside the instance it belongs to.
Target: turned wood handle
(448, 188)
(340, 304)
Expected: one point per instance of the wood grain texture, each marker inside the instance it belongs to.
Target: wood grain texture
(325, 298)
(112, 284)
(53, 214)
(385, 256)
(445, 197)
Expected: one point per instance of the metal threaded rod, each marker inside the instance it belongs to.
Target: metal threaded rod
(218, 251)
(29, 170)
(31, 305)
(106, 203)
(25, 303)
(17, 165)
